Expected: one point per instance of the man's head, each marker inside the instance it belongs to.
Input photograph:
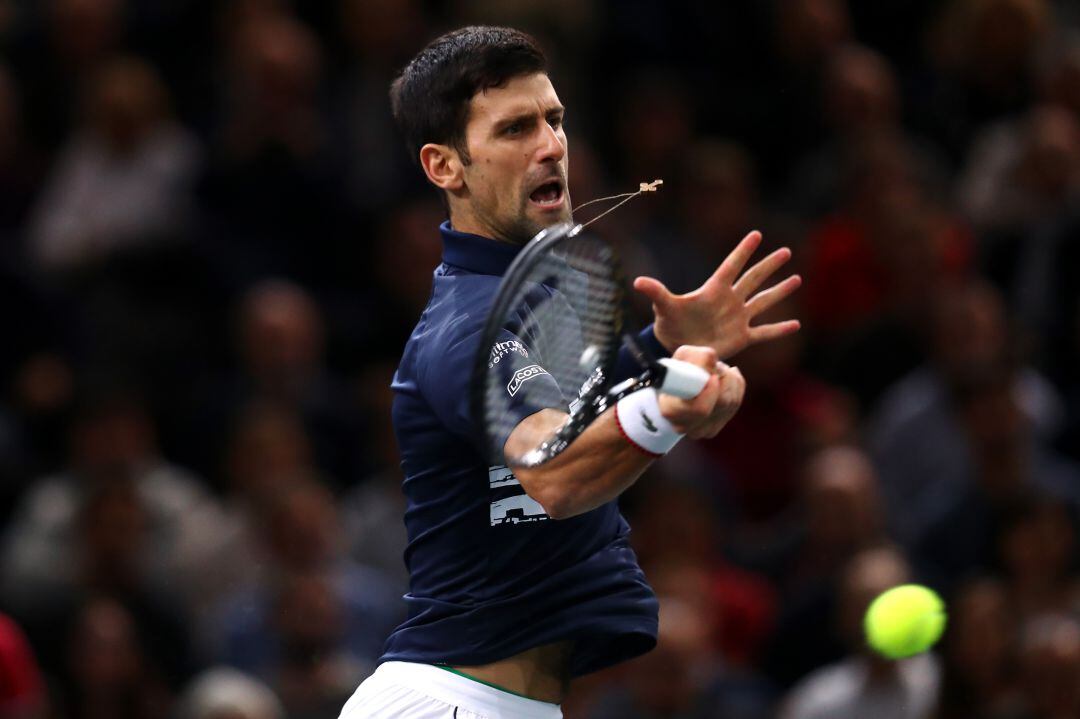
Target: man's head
(478, 111)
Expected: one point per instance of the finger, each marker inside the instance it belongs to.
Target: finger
(655, 290)
(687, 414)
(730, 398)
(733, 264)
(775, 330)
(757, 274)
(703, 357)
(769, 298)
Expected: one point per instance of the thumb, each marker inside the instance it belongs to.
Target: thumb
(655, 290)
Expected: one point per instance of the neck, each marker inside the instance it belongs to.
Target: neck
(470, 226)
(464, 218)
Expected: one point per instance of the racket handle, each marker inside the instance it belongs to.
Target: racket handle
(682, 379)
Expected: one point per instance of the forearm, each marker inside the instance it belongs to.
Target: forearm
(599, 466)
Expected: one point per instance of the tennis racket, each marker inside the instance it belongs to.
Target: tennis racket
(552, 341)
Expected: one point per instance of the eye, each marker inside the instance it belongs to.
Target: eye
(513, 129)
(555, 121)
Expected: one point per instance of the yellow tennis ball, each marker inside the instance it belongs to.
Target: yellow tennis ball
(904, 621)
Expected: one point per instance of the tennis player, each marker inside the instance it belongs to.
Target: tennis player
(520, 583)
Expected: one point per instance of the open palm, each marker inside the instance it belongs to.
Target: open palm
(720, 312)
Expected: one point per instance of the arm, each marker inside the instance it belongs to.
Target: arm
(602, 463)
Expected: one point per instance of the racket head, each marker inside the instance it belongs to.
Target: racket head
(550, 341)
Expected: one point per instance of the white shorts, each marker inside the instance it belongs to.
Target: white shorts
(421, 691)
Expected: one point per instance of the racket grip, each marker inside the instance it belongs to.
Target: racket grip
(682, 379)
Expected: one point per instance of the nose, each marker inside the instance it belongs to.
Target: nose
(551, 145)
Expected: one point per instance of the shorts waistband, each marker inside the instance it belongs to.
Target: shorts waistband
(455, 690)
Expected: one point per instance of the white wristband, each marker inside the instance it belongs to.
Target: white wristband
(639, 419)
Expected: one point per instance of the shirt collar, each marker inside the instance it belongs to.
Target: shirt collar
(475, 253)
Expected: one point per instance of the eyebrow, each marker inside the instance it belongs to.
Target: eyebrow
(525, 116)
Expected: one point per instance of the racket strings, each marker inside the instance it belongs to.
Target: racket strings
(566, 312)
(625, 197)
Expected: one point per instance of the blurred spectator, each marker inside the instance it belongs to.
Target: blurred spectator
(108, 675)
(267, 452)
(380, 37)
(273, 187)
(717, 196)
(654, 120)
(676, 538)
(1057, 70)
(980, 669)
(306, 583)
(224, 693)
(22, 691)
(1049, 666)
(1022, 188)
(1037, 550)
(789, 414)
(803, 36)
(316, 674)
(980, 54)
(860, 99)
(1008, 467)
(112, 447)
(915, 433)
(864, 684)
(841, 515)
(682, 678)
(1024, 173)
(124, 178)
(59, 47)
(869, 265)
(390, 281)
(279, 341)
(371, 512)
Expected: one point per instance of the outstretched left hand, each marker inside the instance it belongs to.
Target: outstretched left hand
(718, 314)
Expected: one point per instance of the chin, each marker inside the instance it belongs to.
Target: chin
(551, 218)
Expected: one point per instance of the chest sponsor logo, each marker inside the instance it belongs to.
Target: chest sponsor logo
(501, 476)
(522, 376)
(501, 349)
(508, 502)
(516, 510)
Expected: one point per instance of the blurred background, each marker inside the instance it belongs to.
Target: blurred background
(213, 246)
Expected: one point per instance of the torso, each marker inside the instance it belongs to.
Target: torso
(541, 673)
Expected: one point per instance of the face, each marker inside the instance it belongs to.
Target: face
(515, 183)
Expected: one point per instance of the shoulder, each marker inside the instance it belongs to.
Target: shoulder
(448, 337)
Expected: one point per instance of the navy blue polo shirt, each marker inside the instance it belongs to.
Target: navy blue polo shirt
(490, 574)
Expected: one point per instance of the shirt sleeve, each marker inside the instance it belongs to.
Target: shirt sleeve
(518, 386)
(625, 364)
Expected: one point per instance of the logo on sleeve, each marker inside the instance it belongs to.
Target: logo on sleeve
(501, 349)
(522, 376)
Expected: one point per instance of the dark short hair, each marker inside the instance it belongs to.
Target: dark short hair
(430, 99)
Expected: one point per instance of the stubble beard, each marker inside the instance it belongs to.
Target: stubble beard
(523, 227)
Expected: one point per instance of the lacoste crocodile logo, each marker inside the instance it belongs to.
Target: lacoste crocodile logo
(648, 423)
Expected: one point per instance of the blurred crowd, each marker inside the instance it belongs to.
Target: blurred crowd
(213, 246)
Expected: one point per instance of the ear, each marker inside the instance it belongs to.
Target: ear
(443, 166)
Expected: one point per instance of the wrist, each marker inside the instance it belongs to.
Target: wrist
(640, 421)
(663, 339)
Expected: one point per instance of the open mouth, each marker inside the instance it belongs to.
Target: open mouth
(548, 196)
